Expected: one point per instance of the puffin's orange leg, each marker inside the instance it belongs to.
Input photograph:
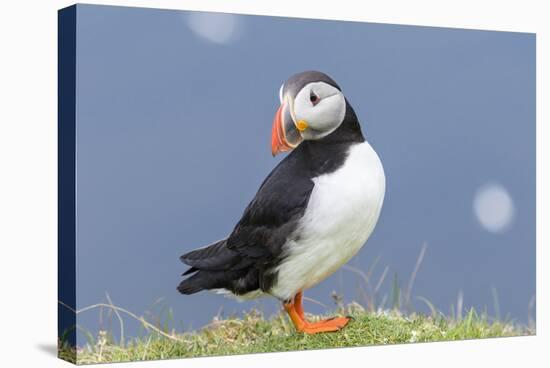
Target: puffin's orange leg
(296, 313)
(298, 321)
(298, 305)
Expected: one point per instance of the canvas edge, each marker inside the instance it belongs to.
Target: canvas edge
(66, 271)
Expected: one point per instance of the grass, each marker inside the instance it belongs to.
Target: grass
(387, 320)
(255, 334)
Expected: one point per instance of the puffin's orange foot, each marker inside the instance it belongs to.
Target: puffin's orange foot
(327, 325)
(296, 314)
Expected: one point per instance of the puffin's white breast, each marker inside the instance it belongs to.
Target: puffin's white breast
(341, 214)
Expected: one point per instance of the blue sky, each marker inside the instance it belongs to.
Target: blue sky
(173, 139)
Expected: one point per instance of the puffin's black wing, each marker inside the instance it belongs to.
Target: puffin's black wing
(241, 263)
(273, 214)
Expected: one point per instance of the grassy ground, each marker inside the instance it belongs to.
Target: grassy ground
(255, 334)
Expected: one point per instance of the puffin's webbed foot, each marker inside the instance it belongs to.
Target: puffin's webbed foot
(296, 313)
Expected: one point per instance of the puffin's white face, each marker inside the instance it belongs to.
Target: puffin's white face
(321, 107)
(312, 112)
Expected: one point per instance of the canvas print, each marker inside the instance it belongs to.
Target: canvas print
(235, 184)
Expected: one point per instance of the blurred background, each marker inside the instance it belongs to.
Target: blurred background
(174, 113)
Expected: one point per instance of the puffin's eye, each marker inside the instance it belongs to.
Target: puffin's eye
(314, 98)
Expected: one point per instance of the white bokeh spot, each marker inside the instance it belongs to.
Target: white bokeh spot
(219, 28)
(494, 208)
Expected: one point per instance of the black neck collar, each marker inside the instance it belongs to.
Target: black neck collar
(328, 154)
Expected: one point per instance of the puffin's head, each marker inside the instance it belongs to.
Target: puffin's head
(312, 107)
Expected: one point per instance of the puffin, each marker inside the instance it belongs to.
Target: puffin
(310, 215)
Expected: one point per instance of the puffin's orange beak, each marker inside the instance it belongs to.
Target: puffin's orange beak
(284, 134)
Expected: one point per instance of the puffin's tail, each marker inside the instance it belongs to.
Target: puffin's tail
(212, 267)
(206, 280)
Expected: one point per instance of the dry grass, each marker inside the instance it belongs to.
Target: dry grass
(255, 334)
(374, 323)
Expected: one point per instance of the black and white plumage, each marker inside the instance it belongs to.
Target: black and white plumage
(312, 213)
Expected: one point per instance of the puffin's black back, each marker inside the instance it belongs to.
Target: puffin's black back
(247, 259)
